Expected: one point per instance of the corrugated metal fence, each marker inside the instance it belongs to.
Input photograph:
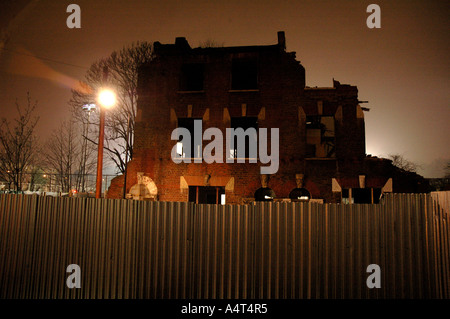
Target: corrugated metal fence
(135, 249)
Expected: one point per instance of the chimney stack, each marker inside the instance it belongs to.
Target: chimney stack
(181, 43)
(282, 40)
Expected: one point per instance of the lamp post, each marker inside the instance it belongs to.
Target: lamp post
(106, 99)
(88, 107)
(126, 157)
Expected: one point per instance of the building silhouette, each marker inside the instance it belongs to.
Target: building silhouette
(321, 130)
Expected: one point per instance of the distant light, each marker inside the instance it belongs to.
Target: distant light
(267, 197)
(107, 98)
(89, 107)
(300, 195)
(180, 149)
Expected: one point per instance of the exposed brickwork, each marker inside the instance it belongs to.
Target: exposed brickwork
(286, 102)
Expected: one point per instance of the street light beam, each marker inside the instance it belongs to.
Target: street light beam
(107, 98)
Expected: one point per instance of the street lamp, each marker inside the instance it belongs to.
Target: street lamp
(106, 99)
(126, 157)
(88, 107)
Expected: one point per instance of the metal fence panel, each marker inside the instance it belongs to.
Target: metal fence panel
(137, 249)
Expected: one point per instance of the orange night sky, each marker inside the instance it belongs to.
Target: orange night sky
(402, 69)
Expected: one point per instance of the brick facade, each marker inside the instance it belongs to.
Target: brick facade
(279, 100)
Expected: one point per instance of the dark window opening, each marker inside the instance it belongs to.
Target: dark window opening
(300, 195)
(346, 196)
(251, 137)
(192, 77)
(320, 136)
(376, 195)
(194, 150)
(207, 194)
(361, 195)
(244, 74)
(264, 194)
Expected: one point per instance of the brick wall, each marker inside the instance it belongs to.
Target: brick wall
(281, 101)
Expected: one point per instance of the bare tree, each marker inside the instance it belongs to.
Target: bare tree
(63, 155)
(209, 43)
(87, 161)
(18, 144)
(122, 78)
(401, 162)
(447, 170)
(36, 179)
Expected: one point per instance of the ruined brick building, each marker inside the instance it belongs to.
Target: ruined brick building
(321, 129)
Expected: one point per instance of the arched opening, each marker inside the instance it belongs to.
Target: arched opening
(264, 194)
(300, 195)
